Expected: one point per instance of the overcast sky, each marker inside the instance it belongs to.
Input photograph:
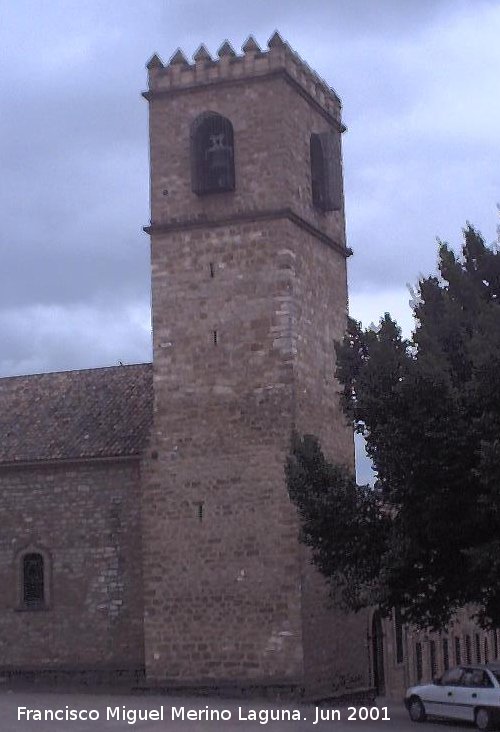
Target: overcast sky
(419, 80)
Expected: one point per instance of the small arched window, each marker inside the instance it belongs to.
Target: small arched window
(326, 171)
(33, 580)
(212, 154)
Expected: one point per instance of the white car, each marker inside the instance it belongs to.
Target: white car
(468, 693)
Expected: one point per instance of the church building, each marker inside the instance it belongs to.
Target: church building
(146, 528)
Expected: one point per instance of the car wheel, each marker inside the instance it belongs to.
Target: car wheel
(483, 719)
(416, 710)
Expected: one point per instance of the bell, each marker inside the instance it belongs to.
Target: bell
(218, 157)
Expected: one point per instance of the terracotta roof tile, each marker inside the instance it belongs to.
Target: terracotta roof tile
(102, 412)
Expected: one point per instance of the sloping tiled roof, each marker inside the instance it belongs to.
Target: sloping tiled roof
(76, 414)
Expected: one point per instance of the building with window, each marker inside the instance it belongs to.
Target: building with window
(402, 656)
(146, 525)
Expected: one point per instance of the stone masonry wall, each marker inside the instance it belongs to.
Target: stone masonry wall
(222, 588)
(336, 654)
(335, 648)
(86, 518)
(320, 302)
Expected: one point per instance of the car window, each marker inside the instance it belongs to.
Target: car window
(483, 679)
(467, 678)
(487, 682)
(476, 677)
(452, 677)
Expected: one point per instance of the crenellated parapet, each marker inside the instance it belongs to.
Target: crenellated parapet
(229, 68)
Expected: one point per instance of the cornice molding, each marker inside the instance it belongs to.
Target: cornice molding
(251, 216)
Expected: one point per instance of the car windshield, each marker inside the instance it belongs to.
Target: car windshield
(496, 673)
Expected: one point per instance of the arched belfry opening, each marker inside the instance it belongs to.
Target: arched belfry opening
(212, 154)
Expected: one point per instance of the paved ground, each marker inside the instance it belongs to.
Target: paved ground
(14, 715)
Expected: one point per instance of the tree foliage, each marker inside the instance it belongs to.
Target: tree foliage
(427, 536)
(342, 522)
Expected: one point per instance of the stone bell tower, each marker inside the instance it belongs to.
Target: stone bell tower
(248, 295)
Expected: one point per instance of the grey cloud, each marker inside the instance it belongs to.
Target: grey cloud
(73, 136)
(39, 339)
(110, 277)
(294, 17)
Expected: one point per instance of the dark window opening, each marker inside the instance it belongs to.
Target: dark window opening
(215, 337)
(446, 655)
(326, 171)
(468, 650)
(398, 625)
(478, 648)
(33, 581)
(212, 270)
(200, 511)
(418, 661)
(212, 154)
(458, 656)
(495, 643)
(486, 651)
(432, 658)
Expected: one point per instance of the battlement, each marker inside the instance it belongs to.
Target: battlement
(279, 58)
